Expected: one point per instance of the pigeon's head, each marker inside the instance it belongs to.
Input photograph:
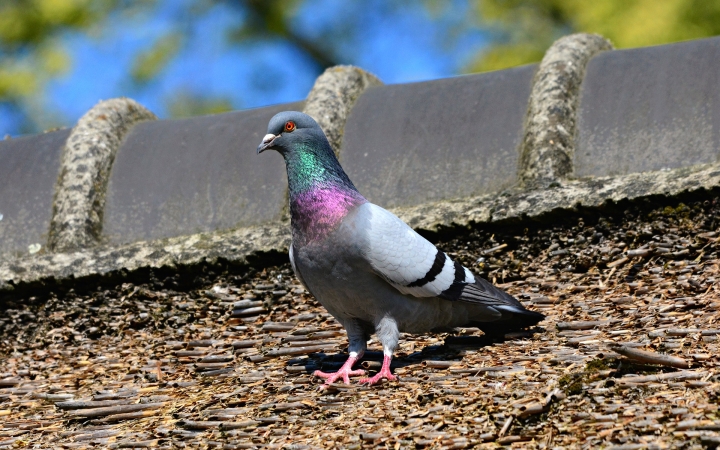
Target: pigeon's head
(289, 128)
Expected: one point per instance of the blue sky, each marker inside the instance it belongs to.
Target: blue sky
(398, 41)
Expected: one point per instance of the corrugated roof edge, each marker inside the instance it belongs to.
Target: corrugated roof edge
(241, 245)
(543, 164)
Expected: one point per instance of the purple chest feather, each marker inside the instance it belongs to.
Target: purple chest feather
(318, 211)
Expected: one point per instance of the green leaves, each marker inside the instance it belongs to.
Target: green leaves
(32, 31)
(31, 52)
(149, 63)
(524, 29)
(186, 104)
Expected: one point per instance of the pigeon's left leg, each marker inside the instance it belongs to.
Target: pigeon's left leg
(388, 334)
(358, 344)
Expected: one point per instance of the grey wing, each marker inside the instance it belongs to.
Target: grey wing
(414, 266)
(482, 291)
(405, 259)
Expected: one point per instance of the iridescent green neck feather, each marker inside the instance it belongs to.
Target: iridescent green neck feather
(321, 194)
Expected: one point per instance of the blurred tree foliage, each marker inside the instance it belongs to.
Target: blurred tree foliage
(270, 19)
(32, 52)
(523, 29)
(32, 31)
(30, 47)
(28, 39)
(188, 104)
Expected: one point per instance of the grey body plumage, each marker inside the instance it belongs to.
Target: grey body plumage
(370, 270)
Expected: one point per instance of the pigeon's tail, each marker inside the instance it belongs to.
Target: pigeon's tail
(517, 319)
(514, 316)
(524, 318)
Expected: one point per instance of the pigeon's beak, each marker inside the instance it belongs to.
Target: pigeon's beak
(267, 142)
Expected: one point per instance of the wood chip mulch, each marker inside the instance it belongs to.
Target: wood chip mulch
(626, 359)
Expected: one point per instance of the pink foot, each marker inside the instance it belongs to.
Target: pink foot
(345, 373)
(384, 373)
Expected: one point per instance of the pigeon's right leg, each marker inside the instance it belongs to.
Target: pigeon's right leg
(389, 335)
(358, 344)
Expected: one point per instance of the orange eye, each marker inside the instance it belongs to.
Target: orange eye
(289, 126)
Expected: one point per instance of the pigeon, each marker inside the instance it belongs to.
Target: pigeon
(366, 266)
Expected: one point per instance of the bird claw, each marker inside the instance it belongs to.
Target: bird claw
(383, 374)
(343, 373)
(378, 378)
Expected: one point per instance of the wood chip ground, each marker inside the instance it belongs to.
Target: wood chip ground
(626, 359)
